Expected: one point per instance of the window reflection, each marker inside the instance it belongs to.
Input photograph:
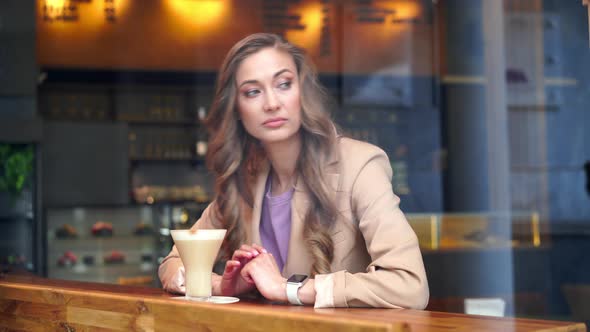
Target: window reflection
(481, 106)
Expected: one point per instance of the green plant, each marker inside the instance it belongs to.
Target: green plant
(16, 164)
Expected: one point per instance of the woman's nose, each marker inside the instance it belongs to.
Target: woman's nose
(272, 102)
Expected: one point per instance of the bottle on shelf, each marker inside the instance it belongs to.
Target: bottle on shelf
(133, 145)
(201, 144)
(201, 113)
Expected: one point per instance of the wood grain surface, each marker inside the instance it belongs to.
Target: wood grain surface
(37, 304)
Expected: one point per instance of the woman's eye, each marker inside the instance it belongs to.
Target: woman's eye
(251, 93)
(285, 85)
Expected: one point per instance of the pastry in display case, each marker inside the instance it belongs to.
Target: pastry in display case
(114, 257)
(143, 229)
(478, 230)
(67, 259)
(102, 228)
(103, 244)
(66, 231)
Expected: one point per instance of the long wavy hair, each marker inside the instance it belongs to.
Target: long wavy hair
(235, 157)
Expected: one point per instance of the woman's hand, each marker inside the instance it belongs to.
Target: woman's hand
(174, 283)
(264, 272)
(232, 282)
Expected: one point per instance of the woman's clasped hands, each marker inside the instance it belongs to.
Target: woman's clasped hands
(252, 267)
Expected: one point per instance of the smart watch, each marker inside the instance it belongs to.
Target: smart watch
(293, 284)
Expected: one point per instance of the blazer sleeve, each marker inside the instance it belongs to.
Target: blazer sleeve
(172, 262)
(396, 277)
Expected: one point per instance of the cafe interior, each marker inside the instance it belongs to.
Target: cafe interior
(480, 105)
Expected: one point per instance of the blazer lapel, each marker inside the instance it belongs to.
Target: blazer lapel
(298, 257)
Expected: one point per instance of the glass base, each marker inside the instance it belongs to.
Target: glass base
(211, 299)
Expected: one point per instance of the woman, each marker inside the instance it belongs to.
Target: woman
(295, 197)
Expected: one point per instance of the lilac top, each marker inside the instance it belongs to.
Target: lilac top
(275, 224)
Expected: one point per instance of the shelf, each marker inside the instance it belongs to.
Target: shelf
(165, 160)
(148, 123)
(106, 238)
(102, 273)
(101, 244)
(174, 202)
(83, 268)
(476, 248)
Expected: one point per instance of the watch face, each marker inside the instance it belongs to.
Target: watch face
(297, 278)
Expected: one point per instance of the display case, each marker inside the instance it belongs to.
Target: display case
(111, 245)
(479, 230)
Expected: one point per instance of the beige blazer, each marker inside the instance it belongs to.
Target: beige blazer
(377, 261)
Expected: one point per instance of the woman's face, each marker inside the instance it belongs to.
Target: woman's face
(268, 96)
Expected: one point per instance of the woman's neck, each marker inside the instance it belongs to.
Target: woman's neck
(283, 158)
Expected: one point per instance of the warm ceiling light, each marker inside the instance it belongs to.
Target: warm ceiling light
(55, 3)
(201, 11)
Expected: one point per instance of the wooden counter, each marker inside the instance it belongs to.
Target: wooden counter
(36, 304)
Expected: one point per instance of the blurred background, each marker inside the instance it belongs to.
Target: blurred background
(481, 105)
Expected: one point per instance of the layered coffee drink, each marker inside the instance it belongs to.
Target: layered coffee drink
(198, 251)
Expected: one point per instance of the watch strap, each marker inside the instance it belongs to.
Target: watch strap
(292, 289)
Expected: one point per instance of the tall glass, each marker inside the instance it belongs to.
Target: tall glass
(198, 251)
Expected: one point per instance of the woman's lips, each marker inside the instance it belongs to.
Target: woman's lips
(274, 122)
